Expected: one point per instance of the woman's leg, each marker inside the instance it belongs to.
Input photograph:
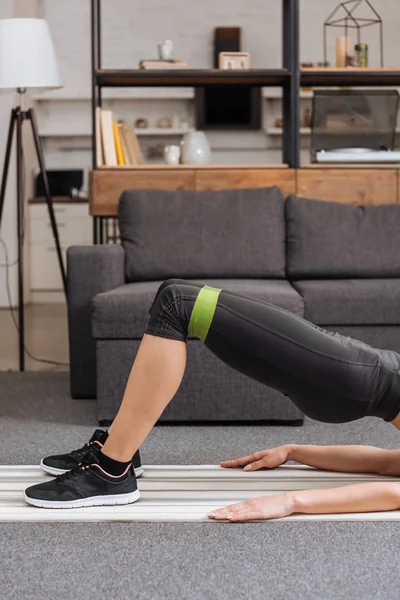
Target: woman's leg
(154, 379)
(329, 377)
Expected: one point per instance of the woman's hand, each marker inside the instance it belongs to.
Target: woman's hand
(265, 459)
(266, 507)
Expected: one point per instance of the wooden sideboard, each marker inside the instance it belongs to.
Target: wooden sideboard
(370, 184)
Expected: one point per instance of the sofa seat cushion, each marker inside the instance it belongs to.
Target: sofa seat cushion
(351, 301)
(189, 233)
(123, 312)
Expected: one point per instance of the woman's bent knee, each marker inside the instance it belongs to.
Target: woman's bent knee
(167, 317)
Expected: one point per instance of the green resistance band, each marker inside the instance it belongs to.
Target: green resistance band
(203, 311)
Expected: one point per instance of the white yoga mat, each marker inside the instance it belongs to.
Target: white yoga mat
(183, 494)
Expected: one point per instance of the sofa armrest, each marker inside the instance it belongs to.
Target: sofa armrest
(90, 270)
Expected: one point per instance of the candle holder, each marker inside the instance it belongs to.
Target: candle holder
(345, 16)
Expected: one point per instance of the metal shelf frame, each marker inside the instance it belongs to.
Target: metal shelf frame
(287, 77)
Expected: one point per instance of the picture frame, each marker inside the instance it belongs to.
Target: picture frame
(234, 60)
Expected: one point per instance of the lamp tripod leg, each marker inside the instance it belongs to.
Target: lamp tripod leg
(21, 232)
(7, 161)
(40, 154)
(16, 119)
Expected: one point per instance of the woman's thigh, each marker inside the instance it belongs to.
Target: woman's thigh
(329, 377)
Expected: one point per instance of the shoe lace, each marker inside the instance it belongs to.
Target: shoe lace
(88, 446)
(83, 466)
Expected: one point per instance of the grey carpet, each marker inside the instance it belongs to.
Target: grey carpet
(216, 561)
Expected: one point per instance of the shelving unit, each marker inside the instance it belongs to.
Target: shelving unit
(289, 78)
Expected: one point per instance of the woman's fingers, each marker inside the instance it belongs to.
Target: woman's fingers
(270, 459)
(255, 466)
(244, 511)
(245, 460)
(267, 507)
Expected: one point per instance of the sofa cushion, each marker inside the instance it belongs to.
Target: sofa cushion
(123, 312)
(327, 240)
(227, 233)
(351, 301)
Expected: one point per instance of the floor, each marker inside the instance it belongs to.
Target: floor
(167, 561)
(185, 561)
(46, 338)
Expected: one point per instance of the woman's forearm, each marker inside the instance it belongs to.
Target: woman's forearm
(350, 459)
(363, 497)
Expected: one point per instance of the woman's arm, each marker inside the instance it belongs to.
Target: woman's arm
(363, 497)
(348, 459)
(360, 498)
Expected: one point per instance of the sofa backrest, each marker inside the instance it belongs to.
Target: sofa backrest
(194, 234)
(331, 240)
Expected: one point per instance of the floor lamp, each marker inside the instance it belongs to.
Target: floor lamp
(27, 60)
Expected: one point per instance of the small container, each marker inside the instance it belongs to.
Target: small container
(352, 60)
(362, 51)
(172, 155)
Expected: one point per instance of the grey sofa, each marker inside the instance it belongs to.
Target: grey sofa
(336, 265)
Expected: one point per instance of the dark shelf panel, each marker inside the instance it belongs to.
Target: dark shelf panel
(190, 77)
(351, 76)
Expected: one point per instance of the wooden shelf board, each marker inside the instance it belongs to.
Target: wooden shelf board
(352, 76)
(192, 167)
(190, 77)
(59, 200)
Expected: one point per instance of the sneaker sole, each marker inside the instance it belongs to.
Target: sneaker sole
(86, 502)
(53, 471)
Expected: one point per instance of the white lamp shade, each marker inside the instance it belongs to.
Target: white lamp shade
(27, 57)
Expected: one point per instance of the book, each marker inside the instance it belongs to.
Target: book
(124, 144)
(160, 60)
(162, 64)
(130, 155)
(134, 153)
(136, 145)
(99, 140)
(107, 132)
(118, 146)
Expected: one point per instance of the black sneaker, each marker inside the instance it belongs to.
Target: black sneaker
(57, 465)
(87, 485)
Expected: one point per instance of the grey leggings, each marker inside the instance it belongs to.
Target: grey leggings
(329, 377)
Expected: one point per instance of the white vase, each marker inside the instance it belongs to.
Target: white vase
(195, 149)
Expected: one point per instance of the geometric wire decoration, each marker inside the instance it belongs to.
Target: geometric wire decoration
(349, 20)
